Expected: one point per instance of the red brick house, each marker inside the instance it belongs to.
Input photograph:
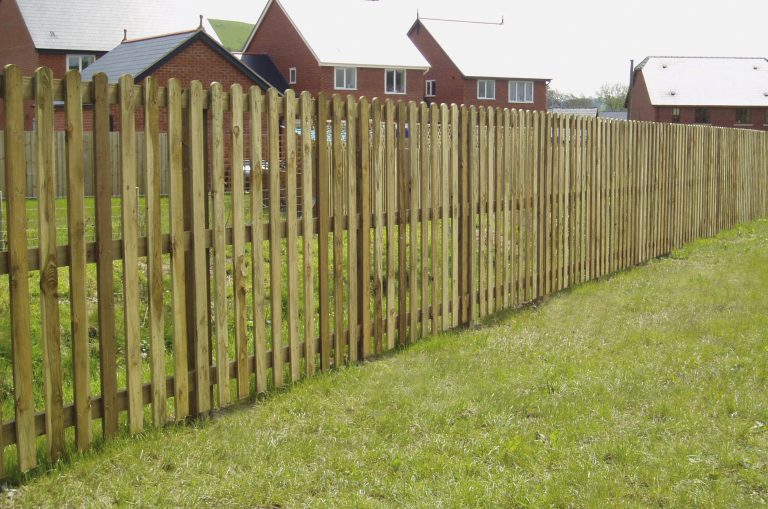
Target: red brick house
(344, 46)
(723, 92)
(470, 63)
(73, 34)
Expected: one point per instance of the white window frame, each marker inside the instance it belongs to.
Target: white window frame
(405, 82)
(80, 60)
(514, 97)
(345, 85)
(292, 76)
(486, 97)
(427, 92)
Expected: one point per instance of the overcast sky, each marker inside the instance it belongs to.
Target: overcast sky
(584, 44)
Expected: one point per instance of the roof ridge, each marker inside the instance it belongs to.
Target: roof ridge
(707, 57)
(474, 22)
(160, 36)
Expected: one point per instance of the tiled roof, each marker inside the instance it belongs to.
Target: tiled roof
(616, 115)
(706, 81)
(266, 68)
(135, 57)
(97, 25)
(138, 58)
(586, 112)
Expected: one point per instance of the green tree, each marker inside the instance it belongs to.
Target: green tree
(612, 97)
(557, 99)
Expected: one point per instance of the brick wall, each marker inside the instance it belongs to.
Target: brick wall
(640, 107)
(502, 95)
(277, 38)
(724, 116)
(450, 82)
(370, 83)
(16, 46)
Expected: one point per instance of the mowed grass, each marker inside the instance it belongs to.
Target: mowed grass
(644, 389)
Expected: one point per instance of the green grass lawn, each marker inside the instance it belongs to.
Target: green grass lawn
(644, 389)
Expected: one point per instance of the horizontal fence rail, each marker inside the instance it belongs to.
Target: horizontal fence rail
(396, 220)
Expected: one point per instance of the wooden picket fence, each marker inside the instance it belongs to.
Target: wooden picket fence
(424, 218)
(60, 178)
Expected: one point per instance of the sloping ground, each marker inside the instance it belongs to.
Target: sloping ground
(648, 388)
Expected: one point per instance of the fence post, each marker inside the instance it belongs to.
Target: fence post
(49, 278)
(323, 229)
(181, 331)
(73, 110)
(2, 234)
(130, 253)
(464, 214)
(18, 265)
(105, 266)
(197, 263)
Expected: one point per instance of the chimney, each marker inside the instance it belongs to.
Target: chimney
(125, 34)
(631, 73)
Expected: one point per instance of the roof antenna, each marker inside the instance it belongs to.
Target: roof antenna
(200, 26)
(125, 34)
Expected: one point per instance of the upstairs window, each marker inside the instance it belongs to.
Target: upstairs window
(743, 116)
(431, 88)
(79, 62)
(675, 115)
(345, 78)
(292, 76)
(394, 81)
(702, 116)
(520, 91)
(486, 89)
